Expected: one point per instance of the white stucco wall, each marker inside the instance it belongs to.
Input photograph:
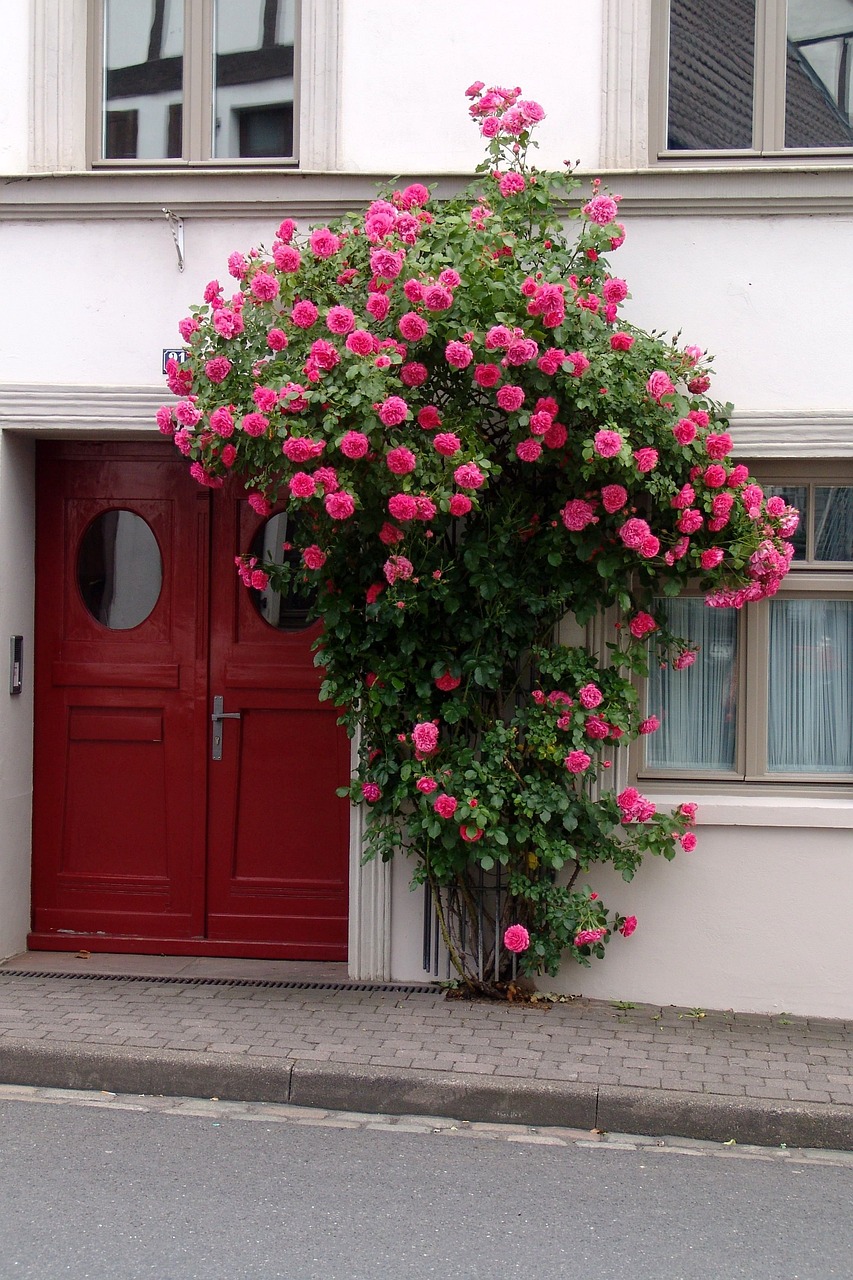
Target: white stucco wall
(14, 77)
(16, 713)
(407, 65)
(751, 920)
(730, 285)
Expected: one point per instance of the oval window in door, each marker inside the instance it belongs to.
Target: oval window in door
(119, 569)
(288, 612)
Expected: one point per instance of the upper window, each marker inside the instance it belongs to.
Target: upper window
(758, 77)
(770, 695)
(196, 80)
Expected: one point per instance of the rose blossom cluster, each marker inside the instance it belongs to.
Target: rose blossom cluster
(351, 379)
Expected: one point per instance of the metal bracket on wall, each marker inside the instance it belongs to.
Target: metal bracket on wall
(176, 226)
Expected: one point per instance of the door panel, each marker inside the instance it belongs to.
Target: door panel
(278, 834)
(140, 840)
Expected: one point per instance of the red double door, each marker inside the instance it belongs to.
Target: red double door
(155, 826)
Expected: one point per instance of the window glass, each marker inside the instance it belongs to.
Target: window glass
(818, 102)
(253, 78)
(697, 707)
(795, 495)
(810, 687)
(143, 79)
(119, 569)
(711, 70)
(833, 522)
(271, 543)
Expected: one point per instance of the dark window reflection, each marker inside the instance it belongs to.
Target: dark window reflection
(796, 495)
(711, 70)
(820, 62)
(253, 73)
(119, 570)
(143, 78)
(271, 543)
(833, 515)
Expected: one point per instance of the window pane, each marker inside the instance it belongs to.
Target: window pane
(795, 495)
(818, 79)
(270, 543)
(119, 569)
(253, 78)
(833, 514)
(697, 707)
(143, 79)
(810, 687)
(711, 57)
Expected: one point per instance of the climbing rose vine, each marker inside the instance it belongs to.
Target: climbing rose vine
(471, 444)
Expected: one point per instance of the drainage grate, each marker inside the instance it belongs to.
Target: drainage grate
(274, 984)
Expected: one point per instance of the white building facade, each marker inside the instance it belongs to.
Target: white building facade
(140, 144)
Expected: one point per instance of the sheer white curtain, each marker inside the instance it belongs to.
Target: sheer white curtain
(810, 687)
(697, 707)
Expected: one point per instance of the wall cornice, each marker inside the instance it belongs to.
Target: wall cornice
(735, 191)
(128, 412)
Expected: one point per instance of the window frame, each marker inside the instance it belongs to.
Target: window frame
(197, 98)
(768, 107)
(808, 580)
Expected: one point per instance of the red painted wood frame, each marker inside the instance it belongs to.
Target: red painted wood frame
(141, 841)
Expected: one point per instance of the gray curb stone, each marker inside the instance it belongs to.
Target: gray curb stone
(407, 1091)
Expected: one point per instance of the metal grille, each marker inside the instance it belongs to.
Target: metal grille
(394, 988)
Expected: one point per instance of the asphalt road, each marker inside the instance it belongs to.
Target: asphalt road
(112, 1191)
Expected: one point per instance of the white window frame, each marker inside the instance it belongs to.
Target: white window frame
(805, 580)
(768, 121)
(316, 79)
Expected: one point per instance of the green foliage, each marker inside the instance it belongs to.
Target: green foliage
(520, 455)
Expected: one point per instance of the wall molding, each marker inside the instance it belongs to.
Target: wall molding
(626, 57)
(58, 84)
(228, 194)
(88, 410)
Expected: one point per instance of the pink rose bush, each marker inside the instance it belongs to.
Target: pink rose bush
(473, 446)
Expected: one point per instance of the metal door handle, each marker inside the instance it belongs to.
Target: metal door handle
(217, 715)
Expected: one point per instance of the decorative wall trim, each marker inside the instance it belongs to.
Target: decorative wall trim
(268, 194)
(626, 52)
(369, 947)
(319, 84)
(818, 433)
(58, 79)
(54, 409)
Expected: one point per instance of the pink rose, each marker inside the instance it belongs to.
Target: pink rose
(458, 354)
(621, 342)
(528, 450)
(469, 476)
(264, 286)
(340, 505)
(324, 243)
(601, 210)
(412, 326)
(371, 792)
(340, 320)
(577, 761)
(607, 443)
(313, 557)
(613, 498)
(445, 805)
(650, 725)
(590, 696)
(393, 411)
(628, 926)
(426, 786)
(642, 624)
(577, 514)
(401, 461)
(510, 398)
(302, 485)
(460, 504)
(304, 314)
(402, 506)
(659, 385)
(487, 375)
(516, 938)
(646, 459)
(447, 682)
(447, 443)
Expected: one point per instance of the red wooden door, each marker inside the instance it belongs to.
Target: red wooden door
(141, 841)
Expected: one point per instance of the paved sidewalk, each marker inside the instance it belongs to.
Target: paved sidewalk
(582, 1064)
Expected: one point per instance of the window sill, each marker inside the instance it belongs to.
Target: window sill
(715, 809)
